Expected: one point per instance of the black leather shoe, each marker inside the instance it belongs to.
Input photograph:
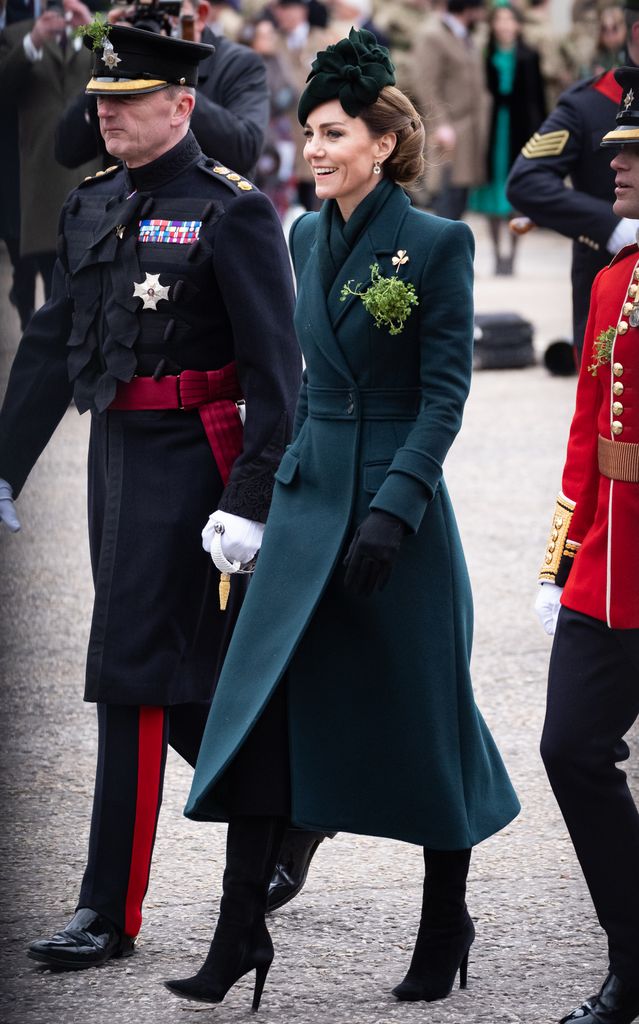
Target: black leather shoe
(289, 876)
(616, 1002)
(87, 941)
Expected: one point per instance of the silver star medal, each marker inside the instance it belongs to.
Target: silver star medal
(629, 99)
(150, 291)
(109, 56)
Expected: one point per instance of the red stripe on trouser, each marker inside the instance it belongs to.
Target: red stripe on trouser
(150, 746)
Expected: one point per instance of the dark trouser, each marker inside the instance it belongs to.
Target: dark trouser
(593, 700)
(451, 200)
(132, 746)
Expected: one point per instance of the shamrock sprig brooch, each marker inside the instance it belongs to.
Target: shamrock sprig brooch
(387, 299)
(602, 349)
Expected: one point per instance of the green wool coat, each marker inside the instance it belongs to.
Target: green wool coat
(385, 738)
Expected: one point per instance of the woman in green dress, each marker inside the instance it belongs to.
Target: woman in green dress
(514, 80)
(345, 702)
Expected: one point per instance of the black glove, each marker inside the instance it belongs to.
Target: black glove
(372, 553)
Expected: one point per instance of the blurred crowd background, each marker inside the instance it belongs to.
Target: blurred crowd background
(484, 76)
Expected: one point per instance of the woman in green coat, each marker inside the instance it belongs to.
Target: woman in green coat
(345, 702)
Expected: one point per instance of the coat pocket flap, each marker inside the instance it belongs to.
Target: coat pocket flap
(287, 469)
(374, 475)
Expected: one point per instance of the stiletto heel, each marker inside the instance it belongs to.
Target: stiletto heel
(241, 942)
(463, 971)
(446, 931)
(260, 979)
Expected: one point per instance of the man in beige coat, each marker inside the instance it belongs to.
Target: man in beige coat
(449, 88)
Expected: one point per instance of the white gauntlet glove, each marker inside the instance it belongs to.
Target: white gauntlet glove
(547, 606)
(7, 508)
(239, 541)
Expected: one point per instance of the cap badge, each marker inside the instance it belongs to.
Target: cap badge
(109, 56)
(629, 99)
(150, 291)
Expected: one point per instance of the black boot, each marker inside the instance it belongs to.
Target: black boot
(616, 1002)
(241, 942)
(446, 931)
(289, 876)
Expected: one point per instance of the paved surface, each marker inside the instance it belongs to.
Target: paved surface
(347, 940)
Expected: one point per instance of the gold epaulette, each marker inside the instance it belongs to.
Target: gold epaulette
(561, 551)
(101, 174)
(549, 144)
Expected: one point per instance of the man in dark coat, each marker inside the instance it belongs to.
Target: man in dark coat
(172, 299)
(567, 146)
(231, 105)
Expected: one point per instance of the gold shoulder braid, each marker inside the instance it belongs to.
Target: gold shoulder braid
(560, 551)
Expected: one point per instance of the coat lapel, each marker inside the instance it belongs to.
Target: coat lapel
(381, 238)
(318, 325)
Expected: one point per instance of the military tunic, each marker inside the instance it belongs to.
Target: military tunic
(213, 246)
(592, 550)
(567, 145)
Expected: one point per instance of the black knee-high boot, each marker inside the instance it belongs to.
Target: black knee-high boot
(241, 942)
(446, 931)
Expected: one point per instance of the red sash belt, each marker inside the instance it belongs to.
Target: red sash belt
(212, 392)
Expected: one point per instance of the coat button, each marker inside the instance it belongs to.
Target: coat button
(350, 405)
(632, 291)
(617, 388)
(622, 327)
(617, 408)
(617, 369)
(627, 308)
(616, 427)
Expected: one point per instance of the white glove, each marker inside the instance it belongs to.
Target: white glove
(624, 234)
(7, 508)
(547, 606)
(240, 541)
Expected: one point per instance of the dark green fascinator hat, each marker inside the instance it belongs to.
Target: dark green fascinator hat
(353, 71)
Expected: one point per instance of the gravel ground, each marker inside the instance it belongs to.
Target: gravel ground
(343, 944)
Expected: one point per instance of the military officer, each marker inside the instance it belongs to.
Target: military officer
(591, 570)
(567, 146)
(172, 300)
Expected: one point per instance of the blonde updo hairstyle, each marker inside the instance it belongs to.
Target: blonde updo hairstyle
(392, 111)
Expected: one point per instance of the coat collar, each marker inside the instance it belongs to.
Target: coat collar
(381, 238)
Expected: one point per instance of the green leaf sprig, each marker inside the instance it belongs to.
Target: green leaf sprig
(388, 299)
(602, 349)
(97, 30)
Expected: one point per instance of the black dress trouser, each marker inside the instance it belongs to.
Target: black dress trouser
(132, 748)
(593, 700)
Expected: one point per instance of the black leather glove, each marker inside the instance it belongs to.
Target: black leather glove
(372, 553)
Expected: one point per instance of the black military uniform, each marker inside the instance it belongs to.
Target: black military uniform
(172, 298)
(567, 146)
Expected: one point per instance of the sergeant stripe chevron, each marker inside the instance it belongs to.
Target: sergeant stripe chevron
(549, 144)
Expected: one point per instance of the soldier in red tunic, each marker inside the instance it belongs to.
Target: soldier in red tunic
(589, 598)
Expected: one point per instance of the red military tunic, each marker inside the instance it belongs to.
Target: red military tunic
(594, 543)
